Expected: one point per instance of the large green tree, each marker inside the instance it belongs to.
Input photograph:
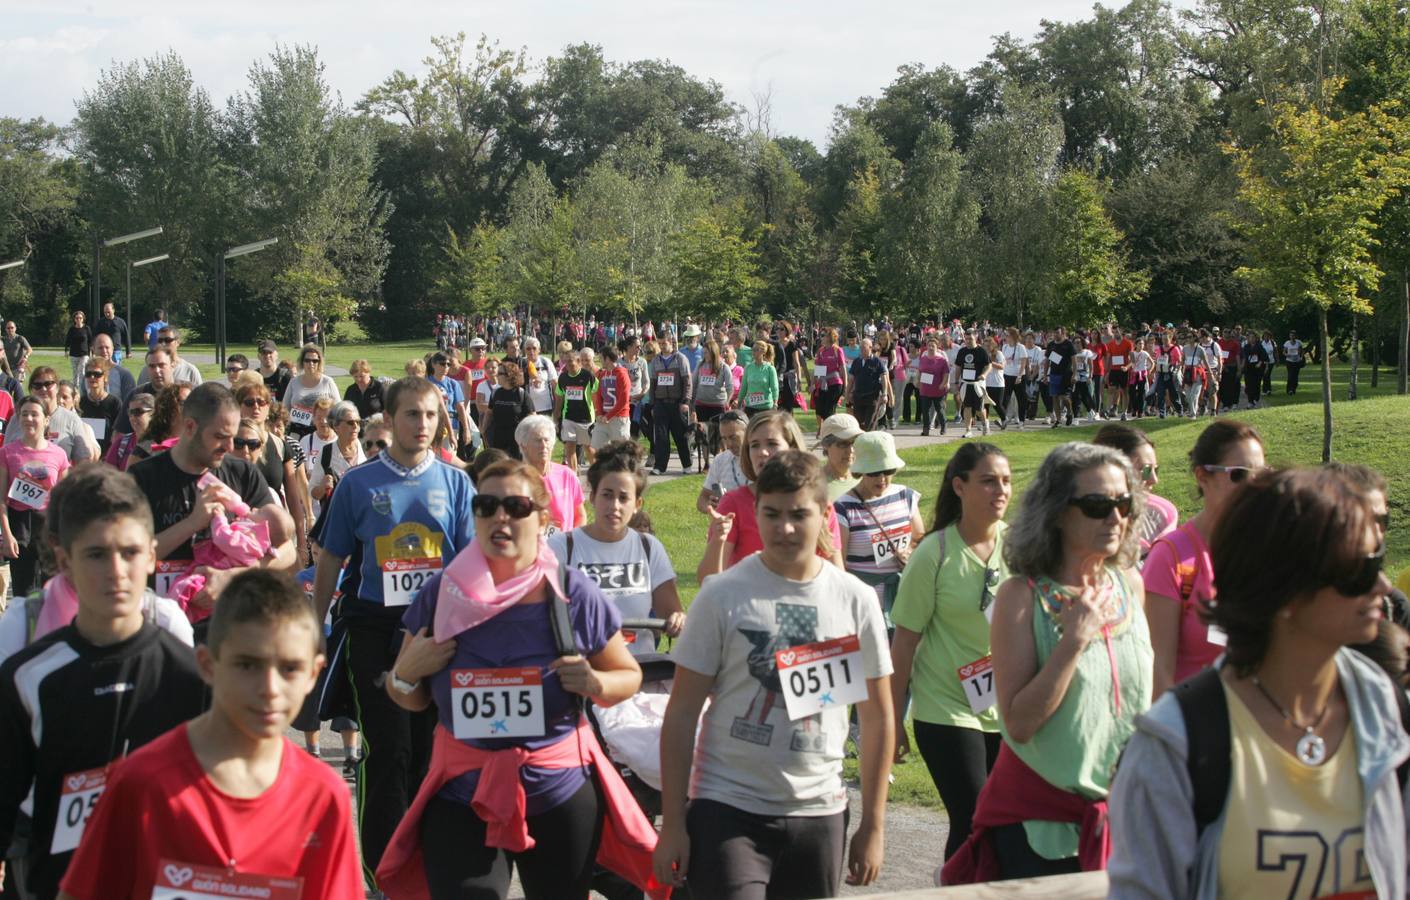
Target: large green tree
(1088, 275)
(38, 223)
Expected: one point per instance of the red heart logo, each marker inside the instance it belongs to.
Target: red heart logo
(464, 678)
(77, 781)
(787, 657)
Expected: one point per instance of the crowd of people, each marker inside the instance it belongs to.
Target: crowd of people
(1208, 708)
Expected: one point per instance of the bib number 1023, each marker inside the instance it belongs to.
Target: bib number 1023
(816, 677)
(497, 703)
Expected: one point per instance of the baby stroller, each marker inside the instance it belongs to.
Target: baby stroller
(631, 734)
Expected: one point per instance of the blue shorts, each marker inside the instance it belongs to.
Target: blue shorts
(1058, 386)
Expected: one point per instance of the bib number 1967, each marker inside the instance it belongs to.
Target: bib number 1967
(819, 676)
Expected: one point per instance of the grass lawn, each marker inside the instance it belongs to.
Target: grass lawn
(1374, 430)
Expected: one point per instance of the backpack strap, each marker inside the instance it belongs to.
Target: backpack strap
(1402, 700)
(563, 640)
(327, 458)
(646, 548)
(940, 562)
(567, 555)
(1206, 712)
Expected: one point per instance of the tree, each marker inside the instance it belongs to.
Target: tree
(930, 221)
(715, 270)
(306, 176)
(1310, 220)
(1087, 269)
(469, 281)
(38, 222)
(858, 246)
(542, 263)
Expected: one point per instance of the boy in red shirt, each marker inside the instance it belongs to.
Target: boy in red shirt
(612, 400)
(1118, 352)
(225, 805)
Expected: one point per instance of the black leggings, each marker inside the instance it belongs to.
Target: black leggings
(1018, 859)
(738, 855)
(959, 760)
(459, 865)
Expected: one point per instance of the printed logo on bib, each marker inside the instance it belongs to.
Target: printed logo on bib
(78, 794)
(414, 552)
(168, 570)
(496, 703)
(302, 416)
(183, 881)
(885, 546)
(819, 676)
(28, 494)
(754, 399)
(977, 681)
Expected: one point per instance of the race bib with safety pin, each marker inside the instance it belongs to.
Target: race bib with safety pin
(168, 570)
(78, 794)
(496, 703)
(927, 377)
(755, 399)
(402, 579)
(302, 416)
(820, 676)
(977, 681)
(28, 494)
(183, 881)
(884, 547)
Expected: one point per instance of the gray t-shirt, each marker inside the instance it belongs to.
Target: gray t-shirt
(749, 755)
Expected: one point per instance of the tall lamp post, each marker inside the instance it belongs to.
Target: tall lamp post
(96, 300)
(130, 266)
(233, 252)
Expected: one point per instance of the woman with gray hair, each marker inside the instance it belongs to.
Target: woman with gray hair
(338, 455)
(535, 436)
(1071, 670)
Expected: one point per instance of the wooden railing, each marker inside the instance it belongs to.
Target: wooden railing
(1082, 886)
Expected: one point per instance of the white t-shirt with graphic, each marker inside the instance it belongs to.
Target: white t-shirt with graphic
(749, 754)
(622, 571)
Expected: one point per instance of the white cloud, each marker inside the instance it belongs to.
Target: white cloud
(812, 56)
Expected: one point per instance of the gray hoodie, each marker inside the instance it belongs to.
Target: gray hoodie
(1155, 853)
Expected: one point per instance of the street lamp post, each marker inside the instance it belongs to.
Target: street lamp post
(97, 299)
(130, 266)
(242, 250)
(11, 265)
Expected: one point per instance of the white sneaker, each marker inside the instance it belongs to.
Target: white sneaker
(969, 433)
(986, 429)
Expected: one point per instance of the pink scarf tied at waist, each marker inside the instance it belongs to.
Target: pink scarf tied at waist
(468, 595)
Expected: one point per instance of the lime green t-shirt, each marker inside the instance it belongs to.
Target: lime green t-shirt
(836, 487)
(944, 608)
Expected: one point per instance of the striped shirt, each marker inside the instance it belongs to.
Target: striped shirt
(870, 552)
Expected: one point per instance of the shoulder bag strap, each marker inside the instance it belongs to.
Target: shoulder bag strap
(1208, 741)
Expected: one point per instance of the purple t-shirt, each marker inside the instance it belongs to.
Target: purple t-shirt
(522, 636)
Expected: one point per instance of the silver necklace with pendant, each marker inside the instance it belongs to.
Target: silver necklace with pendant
(1311, 749)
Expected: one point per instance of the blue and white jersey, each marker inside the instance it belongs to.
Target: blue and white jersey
(410, 523)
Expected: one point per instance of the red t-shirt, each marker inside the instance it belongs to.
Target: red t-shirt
(160, 805)
(1122, 350)
(7, 412)
(1229, 349)
(744, 535)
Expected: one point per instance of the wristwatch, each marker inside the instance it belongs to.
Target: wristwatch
(402, 687)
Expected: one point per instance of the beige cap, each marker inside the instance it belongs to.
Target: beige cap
(840, 427)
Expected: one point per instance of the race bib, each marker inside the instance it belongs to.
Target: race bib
(183, 881)
(477, 375)
(99, 426)
(168, 570)
(1223, 354)
(1217, 636)
(885, 546)
(927, 377)
(819, 371)
(967, 375)
(573, 393)
(78, 794)
(28, 494)
(977, 680)
(1118, 360)
(754, 399)
(301, 416)
(1162, 364)
(820, 676)
(666, 379)
(1055, 358)
(707, 380)
(402, 579)
(497, 703)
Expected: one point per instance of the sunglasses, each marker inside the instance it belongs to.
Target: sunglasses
(486, 505)
(1099, 506)
(884, 473)
(247, 443)
(140, 411)
(92, 374)
(1363, 580)
(1150, 472)
(254, 401)
(166, 340)
(380, 445)
(312, 359)
(41, 385)
(234, 370)
(1237, 474)
(357, 422)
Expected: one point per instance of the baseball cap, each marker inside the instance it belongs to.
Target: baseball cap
(266, 346)
(476, 344)
(840, 427)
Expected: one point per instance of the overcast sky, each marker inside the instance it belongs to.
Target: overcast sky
(810, 55)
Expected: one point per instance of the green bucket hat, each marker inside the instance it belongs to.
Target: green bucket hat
(874, 452)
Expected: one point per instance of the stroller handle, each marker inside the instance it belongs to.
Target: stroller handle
(656, 625)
